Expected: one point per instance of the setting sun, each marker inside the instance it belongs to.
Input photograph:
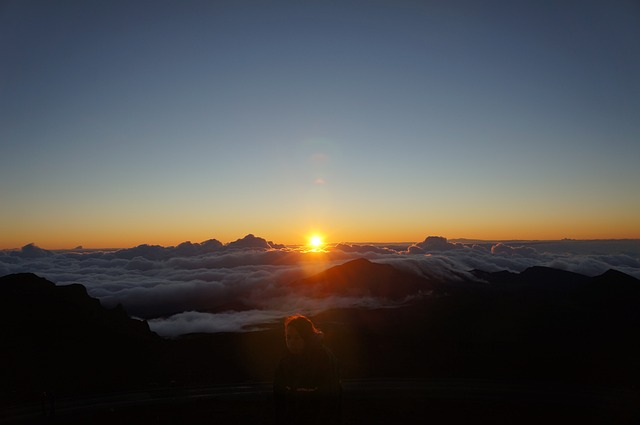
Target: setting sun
(315, 241)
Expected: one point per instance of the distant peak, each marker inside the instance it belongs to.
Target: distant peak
(617, 275)
(250, 241)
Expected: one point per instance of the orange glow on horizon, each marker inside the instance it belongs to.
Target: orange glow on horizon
(67, 234)
(316, 242)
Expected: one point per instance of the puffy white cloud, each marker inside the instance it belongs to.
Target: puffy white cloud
(503, 249)
(249, 242)
(32, 251)
(433, 243)
(195, 321)
(364, 248)
(156, 252)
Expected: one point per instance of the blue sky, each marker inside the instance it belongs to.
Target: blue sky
(159, 122)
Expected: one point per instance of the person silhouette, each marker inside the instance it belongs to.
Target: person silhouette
(306, 387)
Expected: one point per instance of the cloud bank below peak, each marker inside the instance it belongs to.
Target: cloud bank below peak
(215, 287)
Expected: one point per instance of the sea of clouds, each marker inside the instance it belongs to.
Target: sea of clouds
(245, 284)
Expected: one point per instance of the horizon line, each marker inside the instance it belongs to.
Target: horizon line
(458, 240)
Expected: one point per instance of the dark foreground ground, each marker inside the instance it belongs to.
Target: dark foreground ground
(365, 402)
(540, 347)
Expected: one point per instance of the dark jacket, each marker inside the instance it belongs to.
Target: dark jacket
(307, 388)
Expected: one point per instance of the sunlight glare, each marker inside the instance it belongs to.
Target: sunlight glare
(315, 241)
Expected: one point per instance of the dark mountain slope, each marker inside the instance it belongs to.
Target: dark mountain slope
(57, 338)
(362, 277)
(537, 278)
(613, 287)
(542, 324)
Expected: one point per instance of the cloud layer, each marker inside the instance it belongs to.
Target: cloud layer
(240, 286)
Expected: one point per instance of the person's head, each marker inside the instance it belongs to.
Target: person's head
(300, 334)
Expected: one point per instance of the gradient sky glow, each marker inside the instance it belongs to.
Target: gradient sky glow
(124, 123)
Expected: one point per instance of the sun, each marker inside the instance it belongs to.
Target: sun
(315, 241)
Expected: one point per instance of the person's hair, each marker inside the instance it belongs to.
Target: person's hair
(305, 327)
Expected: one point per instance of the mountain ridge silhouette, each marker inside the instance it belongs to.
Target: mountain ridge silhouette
(361, 277)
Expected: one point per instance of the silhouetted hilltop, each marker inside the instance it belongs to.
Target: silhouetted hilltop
(537, 277)
(613, 284)
(362, 277)
(607, 305)
(27, 299)
(57, 338)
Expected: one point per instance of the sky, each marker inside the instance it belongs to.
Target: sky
(126, 123)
